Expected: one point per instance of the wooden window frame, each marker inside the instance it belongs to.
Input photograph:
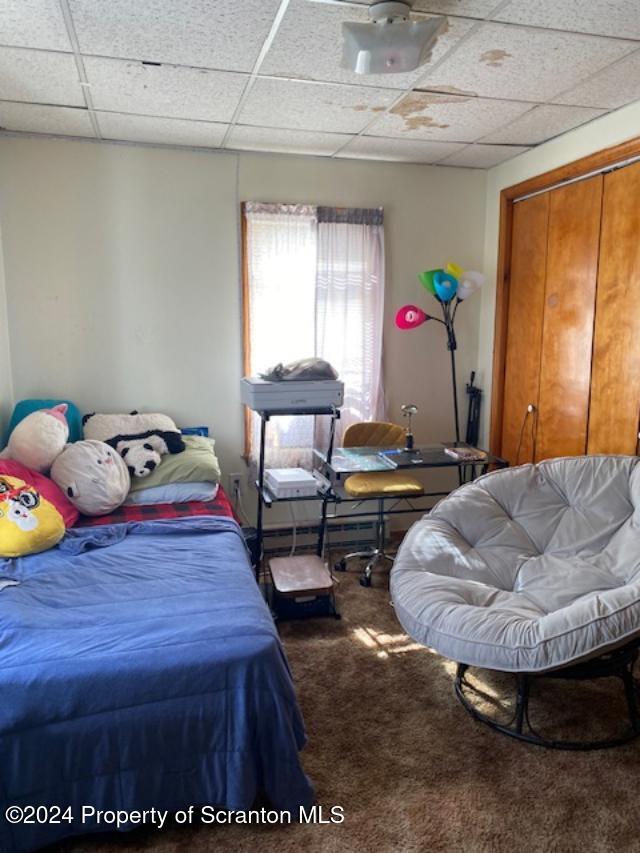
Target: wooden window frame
(577, 169)
(246, 324)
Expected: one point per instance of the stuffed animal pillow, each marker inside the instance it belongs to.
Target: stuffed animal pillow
(46, 487)
(141, 440)
(142, 455)
(39, 438)
(23, 408)
(93, 476)
(29, 523)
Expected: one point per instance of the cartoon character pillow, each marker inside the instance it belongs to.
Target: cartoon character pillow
(93, 476)
(46, 487)
(29, 523)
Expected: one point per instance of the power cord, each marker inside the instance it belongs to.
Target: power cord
(531, 410)
(294, 530)
(238, 504)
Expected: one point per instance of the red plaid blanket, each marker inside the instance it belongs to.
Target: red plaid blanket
(220, 505)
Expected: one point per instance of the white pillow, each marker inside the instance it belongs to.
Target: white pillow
(170, 493)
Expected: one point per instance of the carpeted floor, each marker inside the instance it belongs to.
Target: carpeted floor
(390, 744)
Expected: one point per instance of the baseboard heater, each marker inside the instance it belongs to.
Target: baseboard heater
(341, 536)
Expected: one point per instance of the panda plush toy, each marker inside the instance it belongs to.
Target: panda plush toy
(141, 440)
(142, 455)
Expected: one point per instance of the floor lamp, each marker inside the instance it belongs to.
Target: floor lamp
(450, 287)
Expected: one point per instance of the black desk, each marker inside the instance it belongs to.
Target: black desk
(345, 461)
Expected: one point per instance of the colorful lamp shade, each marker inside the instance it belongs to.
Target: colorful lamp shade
(454, 269)
(446, 286)
(427, 280)
(410, 317)
(469, 283)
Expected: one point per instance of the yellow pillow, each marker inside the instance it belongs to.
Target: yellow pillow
(382, 483)
(28, 522)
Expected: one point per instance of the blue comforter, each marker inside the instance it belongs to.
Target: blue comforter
(140, 668)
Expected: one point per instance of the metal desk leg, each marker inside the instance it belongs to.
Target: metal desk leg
(322, 529)
(259, 524)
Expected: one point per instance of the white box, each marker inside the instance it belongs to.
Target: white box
(290, 483)
(263, 396)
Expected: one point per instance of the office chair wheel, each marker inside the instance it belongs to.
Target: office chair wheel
(340, 566)
(365, 581)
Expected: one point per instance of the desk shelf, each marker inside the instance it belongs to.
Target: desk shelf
(299, 583)
(268, 498)
(344, 461)
(281, 413)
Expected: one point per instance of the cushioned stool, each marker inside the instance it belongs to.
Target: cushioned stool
(379, 486)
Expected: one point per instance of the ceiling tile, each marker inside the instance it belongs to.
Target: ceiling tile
(601, 17)
(483, 156)
(313, 106)
(503, 61)
(542, 123)
(163, 90)
(170, 131)
(309, 45)
(399, 150)
(33, 118)
(206, 33)
(33, 23)
(292, 141)
(33, 75)
(450, 118)
(614, 87)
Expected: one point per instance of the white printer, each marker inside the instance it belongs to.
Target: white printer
(290, 394)
(290, 483)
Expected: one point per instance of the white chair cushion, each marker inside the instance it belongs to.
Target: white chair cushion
(527, 569)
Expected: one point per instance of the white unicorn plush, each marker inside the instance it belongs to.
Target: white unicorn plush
(39, 439)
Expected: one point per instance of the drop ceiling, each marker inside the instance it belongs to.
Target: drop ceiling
(265, 75)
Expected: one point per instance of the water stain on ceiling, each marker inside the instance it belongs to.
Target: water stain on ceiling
(494, 58)
(411, 109)
(416, 122)
(360, 108)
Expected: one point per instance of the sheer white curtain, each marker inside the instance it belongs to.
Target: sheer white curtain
(281, 246)
(350, 307)
(315, 287)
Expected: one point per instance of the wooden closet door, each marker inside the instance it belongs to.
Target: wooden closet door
(524, 325)
(567, 334)
(615, 386)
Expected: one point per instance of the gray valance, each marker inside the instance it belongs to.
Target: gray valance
(280, 209)
(351, 215)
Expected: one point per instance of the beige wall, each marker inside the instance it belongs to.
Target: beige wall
(602, 133)
(6, 388)
(122, 271)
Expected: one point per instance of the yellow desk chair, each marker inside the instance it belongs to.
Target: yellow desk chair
(376, 485)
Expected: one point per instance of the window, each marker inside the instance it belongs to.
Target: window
(313, 286)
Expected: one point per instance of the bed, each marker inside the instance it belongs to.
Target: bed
(140, 668)
(220, 505)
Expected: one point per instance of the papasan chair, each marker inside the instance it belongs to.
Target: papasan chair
(534, 571)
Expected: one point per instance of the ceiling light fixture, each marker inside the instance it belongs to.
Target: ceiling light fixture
(390, 43)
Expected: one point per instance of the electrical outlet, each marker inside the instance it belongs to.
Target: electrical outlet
(235, 483)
